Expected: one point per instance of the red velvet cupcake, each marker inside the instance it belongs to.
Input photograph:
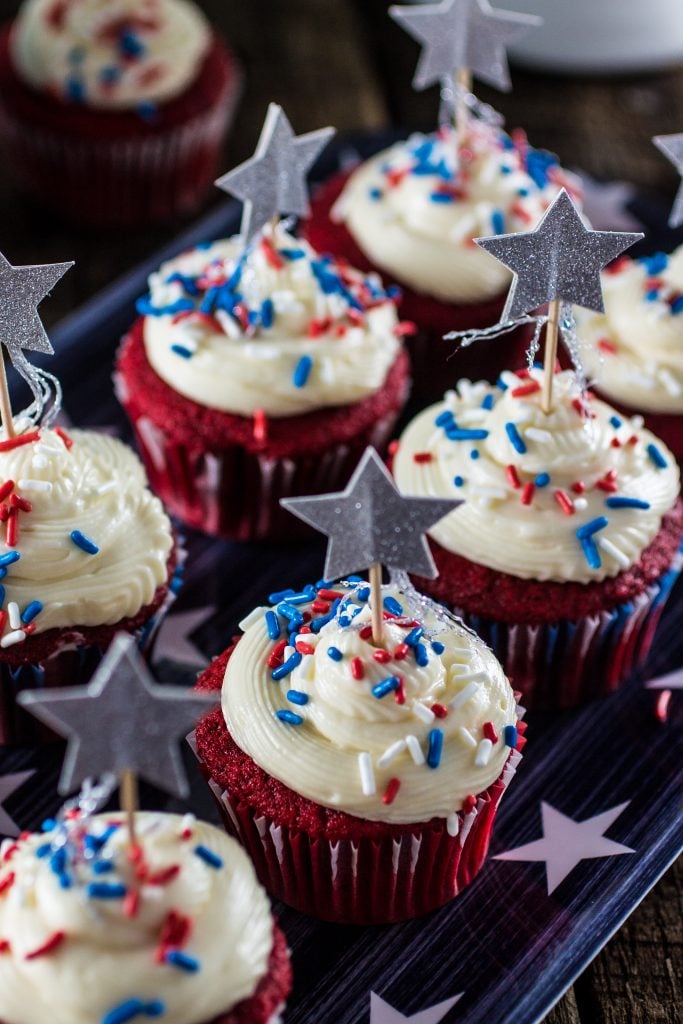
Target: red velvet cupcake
(256, 376)
(567, 546)
(202, 946)
(362, 781)
(410, 213)
(113, 112)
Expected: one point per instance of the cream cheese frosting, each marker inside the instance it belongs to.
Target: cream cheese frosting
(197, 944)
(562, 496)
(278, 329)
(113, 54)
(415, 208)
(83, 537)
(403, 733)
(634, 350)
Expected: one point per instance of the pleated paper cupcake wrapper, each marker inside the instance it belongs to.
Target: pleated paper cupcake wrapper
(72, 664)
(566, 664)
(366, 881)
(120, 182)
(235, 493)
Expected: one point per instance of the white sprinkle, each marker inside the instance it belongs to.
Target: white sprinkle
(414, 749)
(303, 670)
(535, 434)
(367, 775)
(472, 416)
(637, 422)
(391, 752)
(510, 378)
(467, 737)
(35, 485)
(39, 462)
(42, 448)
(230, 326)
(670, 382)
(465, 694)
(611, 549)
(423, 713)
(188, 823)
(488, 493)
(252, 617)
(453, 824)
(308, 638)
(14, 616)
(580, 504)
(16, 637)
(111, 485)
(288, 652)
(483, 753)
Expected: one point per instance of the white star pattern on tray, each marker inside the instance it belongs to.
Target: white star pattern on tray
(567, 842)
(381, 1012)
(10, 784)
(174, 643)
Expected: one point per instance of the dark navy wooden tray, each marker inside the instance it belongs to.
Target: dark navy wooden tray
(508, 944)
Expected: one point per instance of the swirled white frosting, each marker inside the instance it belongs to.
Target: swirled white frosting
(342, 720)
(591, 462)
(113, 54)
(414, 213)
(634, 350)
(272, 311)
(97, 487)
(107, 957)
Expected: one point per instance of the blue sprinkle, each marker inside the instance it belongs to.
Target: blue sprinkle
(421, 655)
(297, 697)
(588, 529)
(354, 579)
(208, 856)
(487, 402)
(267, 310)
(438, 647)
(474, 454)
(500, 383)
(290, 717)
(9, 558)
(302, 371)
(176, 958)
(308, 594)
(444, 418)
(103, 867)
(415, 634)
(96, 843)
(542, 480)
(591, 552)
(655, 263)
(2, 589)
(458, 481)
(498, 222)
(435, 748)
(375, 193)
(110, 75)
(188, 284)
(75, 90)
(106, 890)
(292, 254)
(677, 305)
(392, 605)
(48, 825)
(515, 438)
(334, 653)
(283, 670)
(272, 625)
(147, 110)
(523, 191)
(652, 295)
(132, 1008)
(58, 861)
(130, 45)
(64, 880)
(652, 450)
(84, 543)
(467, 435)
(615, 421)
(617, 502)
(280, 595)
(180, 350)
(292, 637)
(290, 612)
(510, 736)
(363, 593)
(386, 686)
(44, 851)
(441, 197)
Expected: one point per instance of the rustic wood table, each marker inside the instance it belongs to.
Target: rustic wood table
(343, 62)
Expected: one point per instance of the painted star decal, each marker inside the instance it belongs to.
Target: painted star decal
(273, 180)
(566, 842)
(672, 148)
(382, 1012)
(371, 522)
(559, 259)
(22, 289)
(9, 784)
(122, 720)
(459, 34)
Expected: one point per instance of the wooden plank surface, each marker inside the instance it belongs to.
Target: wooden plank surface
(343, 62)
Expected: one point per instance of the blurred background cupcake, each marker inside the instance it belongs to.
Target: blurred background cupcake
(113, 112)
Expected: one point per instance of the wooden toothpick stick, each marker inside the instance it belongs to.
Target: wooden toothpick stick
(376, 603)
(129, 801)
(463, 80)
(5, 406)
(550, 355)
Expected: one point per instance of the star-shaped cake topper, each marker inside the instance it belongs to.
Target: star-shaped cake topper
(561, 259)
(122, 721)
(372, 523)
(22, 289)
(567, 842)
(9, 784)
(672, 148)
(381, 1012)
(671, 681)
(273, 180)
(459, 34)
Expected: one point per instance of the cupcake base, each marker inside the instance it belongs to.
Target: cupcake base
(437, 364)
(264, 1006)
(110, 168)
(333, 865)
(214, 474)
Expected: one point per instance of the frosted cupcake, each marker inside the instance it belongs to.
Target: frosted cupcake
(412, 212)
(113, 111)
(635, 349)
(567, 545)
(362, 780)
(182, 932)
(252, 376)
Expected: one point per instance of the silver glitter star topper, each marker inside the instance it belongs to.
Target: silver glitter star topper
(672, 148)
(463, 34)
(121, 722)
(273, 180)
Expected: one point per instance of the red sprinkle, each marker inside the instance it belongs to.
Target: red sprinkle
(320, 606)
(607, 484)
(526, 389)
(528, 492)
(273, 257)
(357, 668)
(401, 651)
(400, 691)
(421, 457)
(174, 934)
(8, 880)
(4, 946)
(29, 628)
(275, 657)
(65, 437)
(381, 656)
(565, 502)
(55, 940)
(405, 327)
(616, 443)
(303, 648)
(633, 439)
(21, 503)
(390, 792)
(12, 849)
(260, 426)
(12, 531)
(439, 710)
(513, 476)
(365, 633)
(662, 705)
(4, 512)
(131, 903)
(6, 489)
(578, 487)
(318, 327)
(469, 803)
(605, 345)
(489, 731)
(165, 876)
(329, 595)
(17, 442)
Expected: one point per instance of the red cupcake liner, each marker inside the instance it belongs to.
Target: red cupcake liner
(437, 364)
(228, 488)
(111, 168)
